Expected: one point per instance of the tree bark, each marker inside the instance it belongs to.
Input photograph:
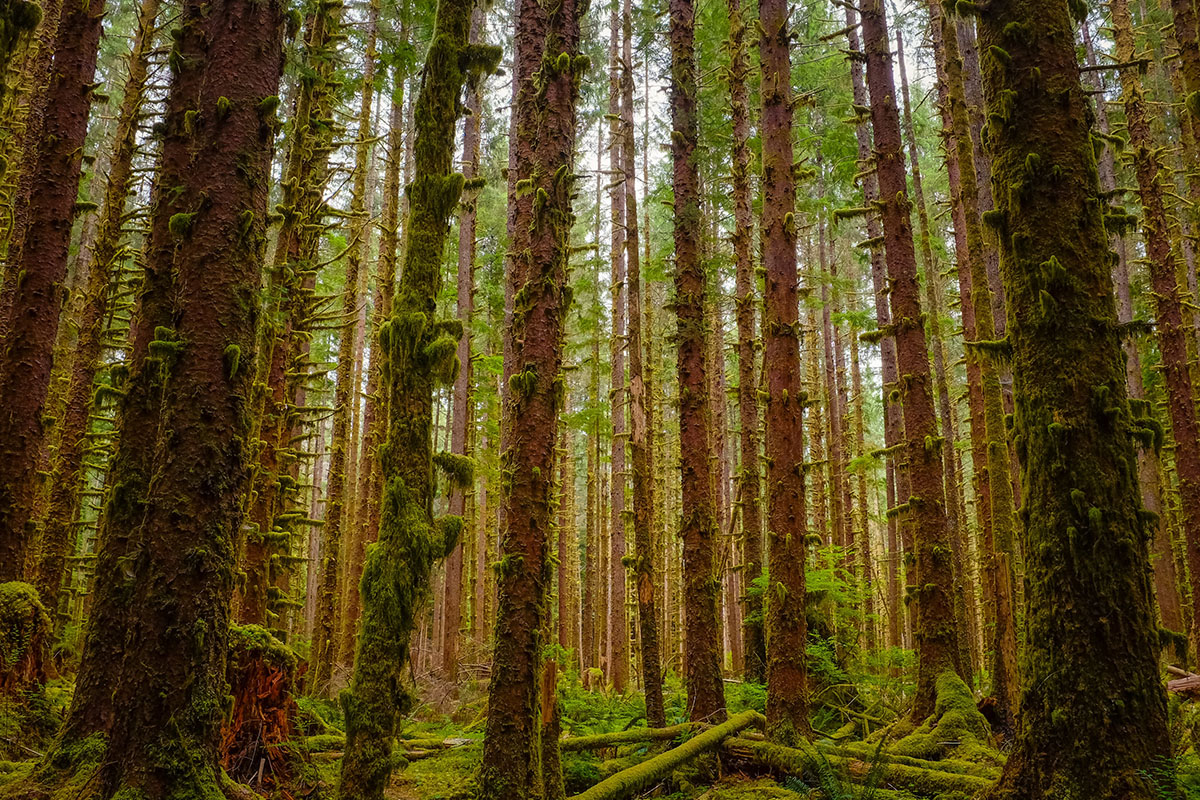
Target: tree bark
(936, 638)
(1089, 725)
(547, 73)
(787, 525)
(698, 525)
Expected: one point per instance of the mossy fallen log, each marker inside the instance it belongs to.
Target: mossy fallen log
(629, 782)
(795, 762)
(865, 752)
(600, 741)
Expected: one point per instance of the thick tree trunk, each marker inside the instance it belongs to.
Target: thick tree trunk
(698, 525)
(936, 638)
(1093, 714)
(547, 72)
(36, 271)
(60, 525)
(787, 527)
(166, 566)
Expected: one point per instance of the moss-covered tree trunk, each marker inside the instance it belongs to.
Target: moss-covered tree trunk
(639, 433)
(750, 477)
(464, 415)
(698, 526)
(935, 629)
(59, 523)
(787, 524)
(419, 353)
(547, 73)
(36, 270)
(1093, 713)
(150, 720)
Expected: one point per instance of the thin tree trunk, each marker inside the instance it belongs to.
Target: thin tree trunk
(938, 649)
(786, 623)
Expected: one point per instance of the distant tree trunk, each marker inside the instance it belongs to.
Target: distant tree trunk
(895, 474)
(350, 607)
(1000, 551)
(786, 623)
(618, 637)
(60, 522)
(1170, 330)
(568, 547)
(164, 575)
(866, 551)
(938, 649)
(644, 566)
(420, 352)
(547, 73)
(1093, 714)
(36, 271)
(964, 592)
(463, 408)
(698, 526)
(754, 642)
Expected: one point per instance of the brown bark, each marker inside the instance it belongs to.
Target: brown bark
(749, 477)
(166, 566)
(639, 443)
(547, 72)
(936, 638)
(36, 271)
(893, 423)
(787, 527)
(59, 526)
(698, 525)
(1170, 330)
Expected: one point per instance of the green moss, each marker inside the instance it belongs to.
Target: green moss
(256, 642)
(956, 729)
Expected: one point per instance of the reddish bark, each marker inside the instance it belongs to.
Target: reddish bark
(787, 527)
(698, 526)
(937, 641)
(37, 269)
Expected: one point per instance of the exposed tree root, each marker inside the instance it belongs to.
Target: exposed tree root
(630, 781)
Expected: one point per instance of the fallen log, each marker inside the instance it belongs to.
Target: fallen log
(797, 763)
(865, 752)
(629, 782)
(600, 741)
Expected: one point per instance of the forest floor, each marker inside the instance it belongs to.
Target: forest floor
(862, 745)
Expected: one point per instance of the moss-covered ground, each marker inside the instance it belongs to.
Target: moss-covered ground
(864, 748)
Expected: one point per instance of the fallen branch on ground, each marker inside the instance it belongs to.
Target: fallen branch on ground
(600, 741)
(629, 782)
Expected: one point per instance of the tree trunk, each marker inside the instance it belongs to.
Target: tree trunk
(749, 478)
(547, 72)
(644, 568)
(787, 528)
(59, 526)
(37, 269)
(166, 566)
(698, 525)
(1093, 714)
(420, 352)
(937, 640)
